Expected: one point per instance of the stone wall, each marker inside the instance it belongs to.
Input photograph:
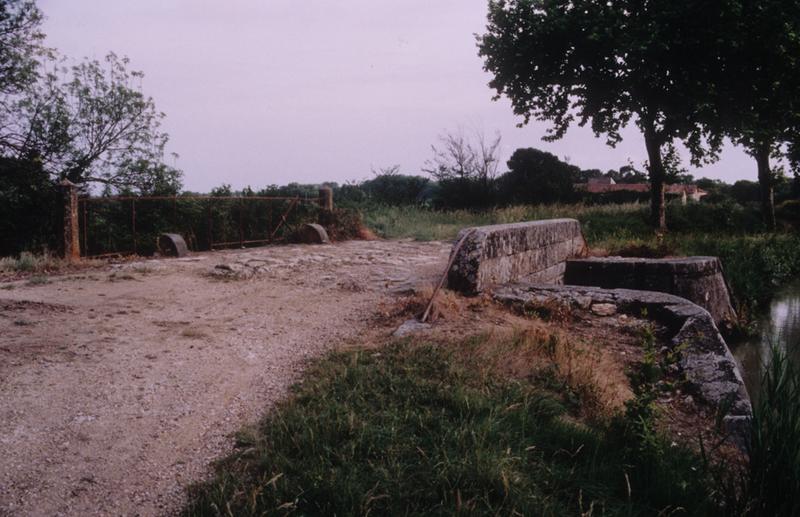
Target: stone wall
(533, 251)
(698, 279)
(707, 363)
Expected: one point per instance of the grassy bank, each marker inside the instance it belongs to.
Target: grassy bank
(756, 263)
(434, 429)
(600, 222)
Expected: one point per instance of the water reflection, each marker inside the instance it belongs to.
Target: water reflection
(780, 327)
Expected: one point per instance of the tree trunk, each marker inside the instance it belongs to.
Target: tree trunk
(765, 181)
(658, 215)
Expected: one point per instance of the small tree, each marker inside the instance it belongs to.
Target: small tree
(605, 64)
(465, 168)
(457, 157)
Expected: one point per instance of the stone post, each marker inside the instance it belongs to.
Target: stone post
(72, 247)
(326, 198)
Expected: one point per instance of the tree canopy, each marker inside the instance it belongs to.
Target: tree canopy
(536, 176)
(757, 85)
(606, 64)
(20, 43)
(89, 123)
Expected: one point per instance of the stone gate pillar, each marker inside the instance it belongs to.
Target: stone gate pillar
(326, 198)
(72, 247)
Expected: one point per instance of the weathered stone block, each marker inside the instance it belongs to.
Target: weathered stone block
(698, 279)
(313, 233)
(532, 251)
(172, 245)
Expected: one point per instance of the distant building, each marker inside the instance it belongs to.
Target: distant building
(602, 180)
(606, 184)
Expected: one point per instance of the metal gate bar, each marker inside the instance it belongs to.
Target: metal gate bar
(271, 233)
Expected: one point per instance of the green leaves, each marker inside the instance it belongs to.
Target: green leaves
(20, 43)
(89, 123)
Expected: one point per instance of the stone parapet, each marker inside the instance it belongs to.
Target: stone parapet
(698, 279)
(707, 363)
(533, 251)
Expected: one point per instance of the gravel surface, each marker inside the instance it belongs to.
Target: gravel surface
(119, 386)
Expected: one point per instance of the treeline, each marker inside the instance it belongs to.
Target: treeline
(533, 177)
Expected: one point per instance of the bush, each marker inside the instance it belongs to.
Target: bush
(395, 189)
(789, 212)
(31, 213)
(727, 217)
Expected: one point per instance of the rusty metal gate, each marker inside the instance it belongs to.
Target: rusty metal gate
(130, 225)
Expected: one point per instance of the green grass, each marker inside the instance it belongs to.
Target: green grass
(424, 429)
(773, 476)
(424, 224)
(755, 265)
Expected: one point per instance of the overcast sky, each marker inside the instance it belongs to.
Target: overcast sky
(273, 91)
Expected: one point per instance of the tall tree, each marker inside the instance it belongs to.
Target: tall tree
(605, 64)
(89, 123)
(758, 91)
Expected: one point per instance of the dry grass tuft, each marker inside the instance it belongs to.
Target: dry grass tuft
(194, 333)
(447, 306)
(365, 234)
(586, 371)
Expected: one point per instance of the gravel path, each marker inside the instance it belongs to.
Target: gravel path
(118, 387)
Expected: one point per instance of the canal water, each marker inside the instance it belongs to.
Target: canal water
(780, 327)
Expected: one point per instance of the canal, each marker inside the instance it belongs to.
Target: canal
(779, 327)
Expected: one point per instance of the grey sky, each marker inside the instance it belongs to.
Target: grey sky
(275, 91)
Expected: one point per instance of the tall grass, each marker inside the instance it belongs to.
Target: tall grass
(769, 484)
(425, 224)
(772, 484)
(424, 429)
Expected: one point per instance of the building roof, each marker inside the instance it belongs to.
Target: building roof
(598, 188)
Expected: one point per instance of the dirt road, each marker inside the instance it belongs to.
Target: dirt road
(119, 386)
